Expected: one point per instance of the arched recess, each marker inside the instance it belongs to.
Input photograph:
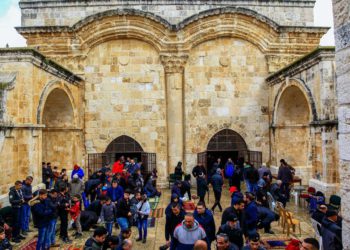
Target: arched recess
(60, 137)
(227, 140)
(123, 144)
(292, 117)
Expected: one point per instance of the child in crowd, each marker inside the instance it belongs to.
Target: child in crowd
(4, 243)
(75, 212)
(108, 214)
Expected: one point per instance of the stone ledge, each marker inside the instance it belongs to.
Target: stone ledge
(36, 58)
(4, 200)
(326, 188)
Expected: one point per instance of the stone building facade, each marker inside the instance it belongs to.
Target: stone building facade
(174, 76)
(341, 11)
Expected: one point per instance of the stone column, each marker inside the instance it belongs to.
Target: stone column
(174, 80)
(342, 44)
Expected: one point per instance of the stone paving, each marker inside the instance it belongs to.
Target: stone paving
(156, 234)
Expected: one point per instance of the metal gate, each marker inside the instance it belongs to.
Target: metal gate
(202, 159)
(98, 160)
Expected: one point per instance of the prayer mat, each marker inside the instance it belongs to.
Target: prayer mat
(31, 245)
(157, 213)
(276, 243)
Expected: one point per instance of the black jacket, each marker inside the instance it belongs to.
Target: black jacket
(16, 197)
(43, 213)
(53, 204)
(62, 199)
(235, 235)
(95, 207)
(171, 221)
(198, 170)
(228, 212)
(123, 208)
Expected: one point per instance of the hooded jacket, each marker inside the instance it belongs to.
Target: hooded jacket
(185, 238)
(171, 222)
(79, 171)
(235, 235)
(168, 208)
(206, 220)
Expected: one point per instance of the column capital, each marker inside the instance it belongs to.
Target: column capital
(173, 63)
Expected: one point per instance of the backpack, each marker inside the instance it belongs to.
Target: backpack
(229, 170)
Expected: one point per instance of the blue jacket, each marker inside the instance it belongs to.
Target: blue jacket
(185, 238)
(217, 182)
(331, 235)
(43, 213)
(149, 189)
(27, 191)
(206, 220)
(115, 193)
(176, 190)
(79, 172)
(251, 215)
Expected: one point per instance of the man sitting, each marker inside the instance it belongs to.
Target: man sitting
(98, 239)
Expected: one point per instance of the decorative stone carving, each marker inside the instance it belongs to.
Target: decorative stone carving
(173, 63)
(224, 61)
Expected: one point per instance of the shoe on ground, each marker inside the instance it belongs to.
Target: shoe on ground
(269, 232)
(138, 239)
(144, 241)
(164, 247)
(55, 245)
(24, 233)
(66, 240)
(78, 235)
(16, 240)
(21, 237)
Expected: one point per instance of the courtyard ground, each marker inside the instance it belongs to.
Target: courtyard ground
(156, 236)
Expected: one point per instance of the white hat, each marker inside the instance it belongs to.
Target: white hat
(75, 176)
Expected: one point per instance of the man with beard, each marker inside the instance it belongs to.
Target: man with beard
(232, 230)
(206, 220)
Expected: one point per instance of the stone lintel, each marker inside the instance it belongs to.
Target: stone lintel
(173, 63)
(36, 58)
(303, 63)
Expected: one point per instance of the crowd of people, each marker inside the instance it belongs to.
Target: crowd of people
(117, 197)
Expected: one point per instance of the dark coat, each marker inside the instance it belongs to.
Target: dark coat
(198, 170)
(5, 245)
(331, 235)
(206, 220)
(15, 197)
(123, 208)
(176, 190)
(217, 182)
(228, 212)
(149, 189)
(171, 221)
(235, 235)
(95, 207)
(202, 187)
(53, 204)
(285, 174)
(318, 216)
(115, 193)
(43, 213)
(251, 215)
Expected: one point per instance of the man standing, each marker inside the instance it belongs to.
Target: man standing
(217, 182)
(176, 216)
(79, 171)
(187, 233)
(232, 230)
(286, 176)
(53, 203)
(63, 201)
(25, 209)
(43, 212)
(16, 200)
(200, 173)
(46, 175)
(206, 220)
(123, 211)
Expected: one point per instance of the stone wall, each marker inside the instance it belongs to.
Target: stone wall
(341, 11)
(22, 141)
(303, 117)
(54, 13)
(225, 88)
(125, 93)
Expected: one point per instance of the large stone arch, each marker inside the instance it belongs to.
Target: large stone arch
(48, 89)
(60, 136)
(306, 92)
(122, 24)
(291, 122)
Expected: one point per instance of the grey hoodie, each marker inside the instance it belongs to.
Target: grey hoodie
(184, 238)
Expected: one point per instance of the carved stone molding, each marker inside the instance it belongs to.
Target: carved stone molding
(173, 63)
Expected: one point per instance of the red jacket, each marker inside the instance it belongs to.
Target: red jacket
(75, 210)
(117, 167)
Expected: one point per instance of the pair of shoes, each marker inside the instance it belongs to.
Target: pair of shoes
(164, 247)
(78, 235)
(144, 241)
(21, 237)
(138, 239)
(16, 240)
(269, 232)
(66, 240)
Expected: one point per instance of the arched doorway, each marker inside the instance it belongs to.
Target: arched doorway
(227, 144)
(292, 131)
(122, 146)
(58, 145)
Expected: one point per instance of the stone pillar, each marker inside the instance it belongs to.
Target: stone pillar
(174, 80)
(342, 42)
